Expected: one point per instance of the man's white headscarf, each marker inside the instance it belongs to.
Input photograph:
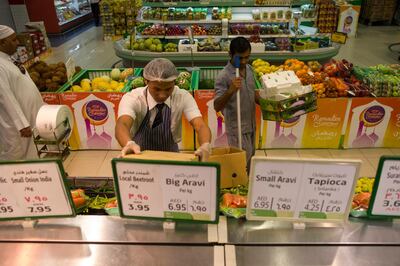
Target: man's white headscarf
(5, 32)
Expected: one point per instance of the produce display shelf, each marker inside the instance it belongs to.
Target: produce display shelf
(232, 3)
(248, 18)
(251, 20)
(264, 36)
(321, 54)
(175, 37)
(150, 36)
(74, 18)
(173, 22)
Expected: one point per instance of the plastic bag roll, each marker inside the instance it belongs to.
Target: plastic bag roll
(54, 119)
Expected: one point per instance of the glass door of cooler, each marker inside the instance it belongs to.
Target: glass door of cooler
(69, 10)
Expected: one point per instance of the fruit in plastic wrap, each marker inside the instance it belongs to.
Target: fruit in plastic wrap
(138, 82)
(115, 74)
(361, 200)
(233, 201)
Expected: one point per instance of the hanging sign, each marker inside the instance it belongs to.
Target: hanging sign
(385, 199)
(301, 189)
(34, 189)
(167, 190)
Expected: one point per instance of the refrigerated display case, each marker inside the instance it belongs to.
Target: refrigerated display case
(60, 15)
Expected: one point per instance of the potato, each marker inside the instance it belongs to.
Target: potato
(60, 74)
(47, 75)
(56, 79)
(48, 81)
(53, 66)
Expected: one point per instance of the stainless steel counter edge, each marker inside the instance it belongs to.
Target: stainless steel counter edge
(115, 230)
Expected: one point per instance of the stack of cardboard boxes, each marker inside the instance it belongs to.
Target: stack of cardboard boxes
(31, 44)
(378, 10)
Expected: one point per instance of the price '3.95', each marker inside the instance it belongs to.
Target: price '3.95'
(6, 209)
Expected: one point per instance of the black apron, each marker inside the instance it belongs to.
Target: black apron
(158, 138)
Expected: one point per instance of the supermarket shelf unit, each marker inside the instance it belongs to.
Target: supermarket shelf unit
(270, 20)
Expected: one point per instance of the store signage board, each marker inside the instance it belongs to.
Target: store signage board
(339, 37)
(33, 190)
(301, 190)
(385, 199)
(167, 190)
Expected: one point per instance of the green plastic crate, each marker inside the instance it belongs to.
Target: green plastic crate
(208, 75)
(287, 109)
(91, 74)
(195, 76)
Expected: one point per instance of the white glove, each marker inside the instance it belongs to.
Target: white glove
(203, 152)
(130, 147)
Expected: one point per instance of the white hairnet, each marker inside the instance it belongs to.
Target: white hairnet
(160, 69)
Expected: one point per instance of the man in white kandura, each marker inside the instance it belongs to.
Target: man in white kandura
(150, 118)
(20, 102)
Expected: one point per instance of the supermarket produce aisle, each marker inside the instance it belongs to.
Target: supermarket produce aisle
(98, 163)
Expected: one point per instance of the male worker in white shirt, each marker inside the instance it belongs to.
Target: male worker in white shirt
(150, 118)
(20, 102)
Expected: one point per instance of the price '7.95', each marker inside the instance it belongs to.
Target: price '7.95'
(39, 209)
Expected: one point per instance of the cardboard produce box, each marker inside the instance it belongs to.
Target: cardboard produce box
(163, 156)
(233, 165)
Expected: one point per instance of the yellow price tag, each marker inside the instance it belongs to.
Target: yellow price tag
(339, 37)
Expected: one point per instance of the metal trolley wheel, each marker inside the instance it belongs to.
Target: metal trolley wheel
(395, 48)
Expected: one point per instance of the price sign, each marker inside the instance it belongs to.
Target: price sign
(385, 200)
(33, 189)
(300, 189)
(70, 66)
(167, 190)
(339, 37)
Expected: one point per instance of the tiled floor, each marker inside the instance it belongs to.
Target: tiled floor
(90, 51)
(98, 163)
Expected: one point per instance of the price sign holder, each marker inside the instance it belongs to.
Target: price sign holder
(301, 191)
(32, 190)
(385, 198)
(167, 190)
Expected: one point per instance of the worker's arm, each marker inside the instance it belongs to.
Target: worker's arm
(204, 134)
(221, 101)
(202, 130)
(123, 129)
(123, 135)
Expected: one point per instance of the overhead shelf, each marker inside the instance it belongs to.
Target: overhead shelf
(232, 3)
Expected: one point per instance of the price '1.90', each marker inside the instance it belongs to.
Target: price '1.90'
(6, 209)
